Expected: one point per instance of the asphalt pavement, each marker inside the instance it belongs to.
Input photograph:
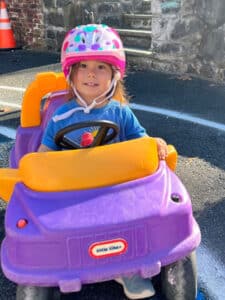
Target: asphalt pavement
(17, 60)
(182, 93)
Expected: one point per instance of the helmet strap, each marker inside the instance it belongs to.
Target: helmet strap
(88, 108)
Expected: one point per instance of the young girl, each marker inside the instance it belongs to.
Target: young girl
(93, 61)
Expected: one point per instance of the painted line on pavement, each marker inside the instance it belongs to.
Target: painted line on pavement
(10, 104)
(151, 109)
(141, 107)
(12, 88)
(156, 110)
(178, 115)
(8, 132)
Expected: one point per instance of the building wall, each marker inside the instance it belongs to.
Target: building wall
(27, 21)
(188, 36)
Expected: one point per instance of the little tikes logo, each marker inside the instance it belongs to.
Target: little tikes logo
(108, 248)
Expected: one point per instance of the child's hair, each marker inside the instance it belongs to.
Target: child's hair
(120, 92)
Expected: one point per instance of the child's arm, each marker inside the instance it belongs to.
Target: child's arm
(133, 130)
(43, 148)
(162, 148)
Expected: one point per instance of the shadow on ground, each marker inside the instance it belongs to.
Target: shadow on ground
(16, 60)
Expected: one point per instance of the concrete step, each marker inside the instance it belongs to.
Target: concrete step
(139, 58)
(138, 53)
(137, 21)
(133, 38)
(134, 32)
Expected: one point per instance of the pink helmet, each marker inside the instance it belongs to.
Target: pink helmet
(93, 42)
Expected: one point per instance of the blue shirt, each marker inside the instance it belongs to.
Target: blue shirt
(129, 126)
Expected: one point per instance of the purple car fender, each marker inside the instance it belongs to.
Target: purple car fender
(77, 237)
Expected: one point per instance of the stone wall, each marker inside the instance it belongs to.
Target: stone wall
(27, 21)
(61, 15)
(187, 36)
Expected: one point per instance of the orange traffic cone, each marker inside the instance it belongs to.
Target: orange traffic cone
(7, 40)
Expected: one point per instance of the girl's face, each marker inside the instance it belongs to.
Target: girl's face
(91, 79)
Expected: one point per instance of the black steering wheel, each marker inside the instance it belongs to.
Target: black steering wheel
(102, 137)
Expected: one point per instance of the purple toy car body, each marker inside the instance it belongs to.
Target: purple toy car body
(67, 238)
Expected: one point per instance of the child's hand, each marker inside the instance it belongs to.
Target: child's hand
(162, 148)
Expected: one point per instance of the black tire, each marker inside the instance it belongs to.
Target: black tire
(179, 279)
(36, 293)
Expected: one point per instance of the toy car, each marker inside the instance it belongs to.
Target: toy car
(89, 215)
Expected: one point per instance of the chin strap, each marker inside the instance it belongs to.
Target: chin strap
(87, 108)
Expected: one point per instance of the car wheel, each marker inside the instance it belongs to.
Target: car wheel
(36, 293)
(179, 279)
